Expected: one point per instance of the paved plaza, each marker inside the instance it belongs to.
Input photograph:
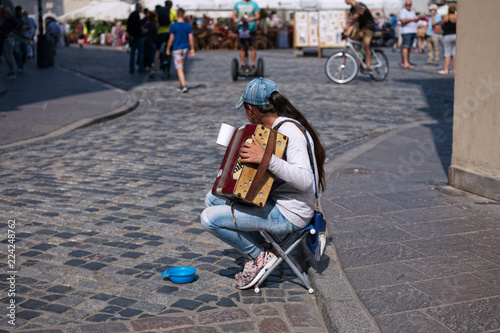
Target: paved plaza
(105, 174)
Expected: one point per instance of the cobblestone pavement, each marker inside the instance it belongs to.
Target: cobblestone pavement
(100, 212)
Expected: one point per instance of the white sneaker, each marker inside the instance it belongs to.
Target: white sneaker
(251, 275)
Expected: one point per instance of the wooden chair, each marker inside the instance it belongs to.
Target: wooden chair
(214, 41)
(261, 41)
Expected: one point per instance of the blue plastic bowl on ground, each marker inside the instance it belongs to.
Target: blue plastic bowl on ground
(182, 274)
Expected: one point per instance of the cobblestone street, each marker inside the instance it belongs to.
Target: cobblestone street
(101, 211)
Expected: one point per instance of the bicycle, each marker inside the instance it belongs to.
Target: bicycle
(343, 66)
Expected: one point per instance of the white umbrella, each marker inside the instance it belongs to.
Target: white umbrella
(101, 10)
(109, 11)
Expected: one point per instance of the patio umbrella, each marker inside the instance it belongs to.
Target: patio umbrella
(101, 10)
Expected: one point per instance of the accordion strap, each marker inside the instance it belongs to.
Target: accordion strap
(261, 170)
(309, 151)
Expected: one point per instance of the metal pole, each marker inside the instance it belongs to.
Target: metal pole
(40, 18)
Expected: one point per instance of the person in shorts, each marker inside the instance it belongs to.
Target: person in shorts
(249, 11)
(80, 32)
(409, 27)
(361, 27)
(181, 37)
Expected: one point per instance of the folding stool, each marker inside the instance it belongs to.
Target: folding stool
(284, 253)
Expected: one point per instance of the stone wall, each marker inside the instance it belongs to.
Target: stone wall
(476, 126)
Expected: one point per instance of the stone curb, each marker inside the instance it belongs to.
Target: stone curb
(129, 106)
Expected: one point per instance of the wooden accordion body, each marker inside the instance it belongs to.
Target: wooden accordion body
(247, 182)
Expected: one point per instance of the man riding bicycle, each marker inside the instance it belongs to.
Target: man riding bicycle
(249, 11)
(361, 27)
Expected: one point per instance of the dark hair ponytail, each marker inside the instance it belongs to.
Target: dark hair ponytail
(281, 106)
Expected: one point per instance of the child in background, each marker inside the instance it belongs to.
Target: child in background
(181, 37)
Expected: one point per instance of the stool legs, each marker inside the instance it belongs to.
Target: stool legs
(284, 254)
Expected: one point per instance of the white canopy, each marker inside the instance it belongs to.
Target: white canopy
(214, 5)
(388, 6)
(107, 10)
(115, 9)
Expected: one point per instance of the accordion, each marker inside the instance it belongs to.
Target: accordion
(247, 182)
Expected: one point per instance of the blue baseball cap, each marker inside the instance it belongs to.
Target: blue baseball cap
(257, 92)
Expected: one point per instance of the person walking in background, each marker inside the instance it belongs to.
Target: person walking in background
(408, 20)
(165, 16)
(181, 37)
(421, 33)
(1, 39)
(118, 35)
(7, 30)
(395, 33)
(30, 34)
(53, 31)
(449, 24)
(134, 32)
(432, 36)
(21, 49)
(81, 32)
(67, 32)
(149, 40)
(61, 33)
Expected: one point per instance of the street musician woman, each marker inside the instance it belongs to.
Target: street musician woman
(290, 206)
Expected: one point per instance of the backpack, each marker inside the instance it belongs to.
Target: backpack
(164, 16)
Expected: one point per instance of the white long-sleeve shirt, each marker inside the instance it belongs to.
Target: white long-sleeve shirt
(295, 198)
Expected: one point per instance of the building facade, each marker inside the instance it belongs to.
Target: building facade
(475, 165)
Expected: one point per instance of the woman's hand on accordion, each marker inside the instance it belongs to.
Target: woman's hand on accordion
(252, 152)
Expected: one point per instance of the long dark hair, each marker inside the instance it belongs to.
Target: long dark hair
(281, 106)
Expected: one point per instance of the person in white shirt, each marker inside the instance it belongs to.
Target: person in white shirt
(408, 20)
(290, 205)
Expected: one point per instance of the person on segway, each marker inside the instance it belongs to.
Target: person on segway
(246, 12)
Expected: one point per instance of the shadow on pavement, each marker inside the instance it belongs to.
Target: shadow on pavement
(439, 95)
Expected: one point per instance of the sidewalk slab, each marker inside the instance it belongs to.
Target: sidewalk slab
(47, 102)
(412, 249)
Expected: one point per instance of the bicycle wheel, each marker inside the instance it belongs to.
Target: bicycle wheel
(341, 67)
(380, 65)
(234, 69)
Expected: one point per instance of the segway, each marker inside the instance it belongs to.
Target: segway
(247, 71)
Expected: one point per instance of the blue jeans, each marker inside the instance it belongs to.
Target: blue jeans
(408, 40)
(243, 234)
(8, 53)
(20, 53)
(136, 44)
